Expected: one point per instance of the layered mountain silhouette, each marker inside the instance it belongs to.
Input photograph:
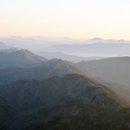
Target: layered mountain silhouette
(69, 102)
(25, 65)
(40, 70)
(94, 48)
(37, 94)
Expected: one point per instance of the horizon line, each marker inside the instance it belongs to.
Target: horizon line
(64, 37)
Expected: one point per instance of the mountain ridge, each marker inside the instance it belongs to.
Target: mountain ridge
(112, 72)
(38, 104)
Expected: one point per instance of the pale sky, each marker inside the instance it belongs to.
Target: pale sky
(66, 18)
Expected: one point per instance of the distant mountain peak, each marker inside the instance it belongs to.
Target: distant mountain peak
(25, 51)
(96, 38)
(93, 40)
(19, 58)
(56, 60)
(59, 62)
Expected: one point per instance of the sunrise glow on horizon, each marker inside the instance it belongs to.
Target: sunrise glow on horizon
(78, 19)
